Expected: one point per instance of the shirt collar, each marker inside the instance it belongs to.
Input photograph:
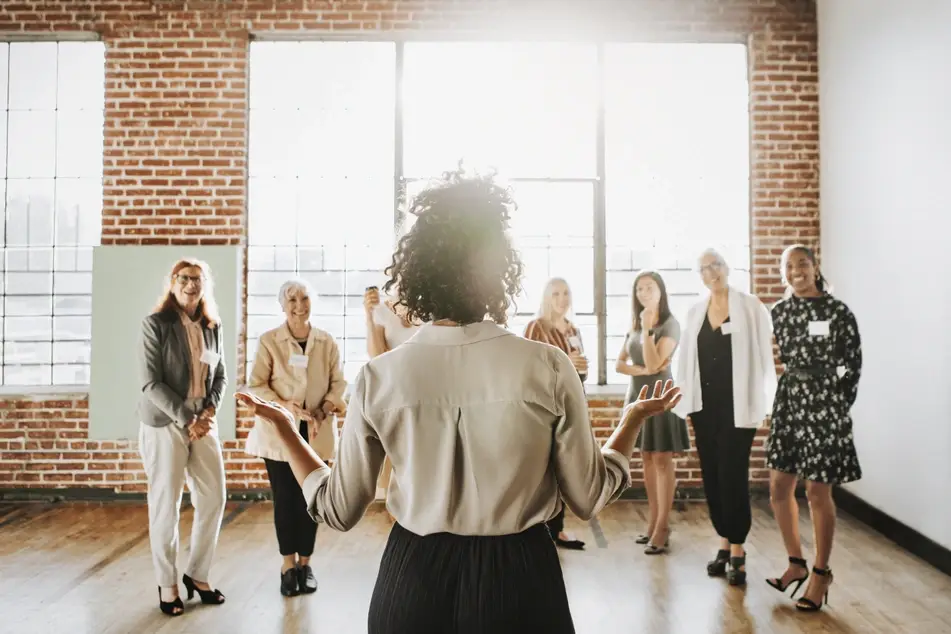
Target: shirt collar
(429, 334)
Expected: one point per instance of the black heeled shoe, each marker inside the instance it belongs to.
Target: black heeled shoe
(170, 607)
(717, 567)
(737, 574)
(777, 582)
(208, 597)
(808, 605)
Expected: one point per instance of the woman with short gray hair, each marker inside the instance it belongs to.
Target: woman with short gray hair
(728, 379)
(298, 366)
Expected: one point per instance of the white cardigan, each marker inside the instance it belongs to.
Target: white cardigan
(754, 370)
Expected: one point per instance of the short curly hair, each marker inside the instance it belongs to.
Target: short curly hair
(457, 261)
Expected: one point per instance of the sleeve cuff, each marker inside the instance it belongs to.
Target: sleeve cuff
(621, 465)
(312, 483)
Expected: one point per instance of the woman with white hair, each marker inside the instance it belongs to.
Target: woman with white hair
(298, 366)
(553, 327)
(728, 379)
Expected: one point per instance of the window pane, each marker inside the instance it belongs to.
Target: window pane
(501, 104)
(81, 76)
(553, 229)
(31, 143)
(321, 192)
(677, 170)
(33, 76)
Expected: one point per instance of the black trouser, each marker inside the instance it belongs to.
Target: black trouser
(455, 584)
(296, 529)
(556, 524)
(725, 466)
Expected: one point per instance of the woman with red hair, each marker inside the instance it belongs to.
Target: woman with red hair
(183, 379)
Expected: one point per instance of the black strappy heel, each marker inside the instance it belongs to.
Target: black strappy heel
(808, 605)
(717, 567)
(170, 607)
(208, 597)
(777, 582)
(737, 574)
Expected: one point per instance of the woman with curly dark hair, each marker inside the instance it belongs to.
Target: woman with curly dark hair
(484, 429)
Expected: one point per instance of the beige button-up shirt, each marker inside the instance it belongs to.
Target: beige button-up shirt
(484, 430)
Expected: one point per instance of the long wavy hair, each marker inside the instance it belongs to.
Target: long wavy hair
(457, 261)
(207, 305)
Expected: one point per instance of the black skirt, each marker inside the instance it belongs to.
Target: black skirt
(454, 584)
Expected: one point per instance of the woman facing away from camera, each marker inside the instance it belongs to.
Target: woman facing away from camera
(485, 431)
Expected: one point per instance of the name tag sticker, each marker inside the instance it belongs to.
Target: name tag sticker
(819, 328)
(574, 342)
(210, 358)
(298, 360)
(726, 328)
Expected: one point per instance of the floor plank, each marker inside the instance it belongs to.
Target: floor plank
(86, 568)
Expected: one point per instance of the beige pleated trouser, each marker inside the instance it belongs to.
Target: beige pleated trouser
(170, 459)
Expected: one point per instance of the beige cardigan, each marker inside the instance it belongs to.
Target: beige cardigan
(275, 379)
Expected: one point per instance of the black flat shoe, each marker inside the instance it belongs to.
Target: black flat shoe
(642, 539)
(290, 583)
(570, 544)
(171, 608)
(306, 580)
(208, 597)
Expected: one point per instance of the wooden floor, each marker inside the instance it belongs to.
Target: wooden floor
(76, 568)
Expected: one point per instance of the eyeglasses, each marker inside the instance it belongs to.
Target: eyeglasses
(185, 279)
(710, 268)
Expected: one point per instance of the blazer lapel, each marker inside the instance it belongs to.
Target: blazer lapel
(181, 341)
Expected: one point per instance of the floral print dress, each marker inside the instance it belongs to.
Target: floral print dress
(811, 432)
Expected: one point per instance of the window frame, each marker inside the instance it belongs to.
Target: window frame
(597, 181)
(57, 248)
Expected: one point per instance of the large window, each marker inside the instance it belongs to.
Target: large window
(633, 156)
(321, 186)
(51, 121)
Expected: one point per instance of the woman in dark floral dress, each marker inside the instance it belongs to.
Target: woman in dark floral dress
(811, 435)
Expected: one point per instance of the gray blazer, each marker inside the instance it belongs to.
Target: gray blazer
(165, 370)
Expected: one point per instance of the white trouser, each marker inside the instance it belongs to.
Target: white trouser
(169, 458)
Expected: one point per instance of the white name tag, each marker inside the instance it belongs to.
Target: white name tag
(298, 360)
(574, 342)
(209, 358)
(819, 328)
(726, 327)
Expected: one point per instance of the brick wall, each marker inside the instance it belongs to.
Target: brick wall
(176, 136)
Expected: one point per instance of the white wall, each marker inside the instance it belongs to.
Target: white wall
(885, 151)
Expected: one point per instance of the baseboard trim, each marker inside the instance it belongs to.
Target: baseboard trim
(900, 533)
(79, 494)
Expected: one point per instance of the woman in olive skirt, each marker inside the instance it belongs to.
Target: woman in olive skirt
(486, 432)
(645, 357)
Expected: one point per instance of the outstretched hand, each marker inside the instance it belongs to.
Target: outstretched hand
(662, 400)
(268, 410)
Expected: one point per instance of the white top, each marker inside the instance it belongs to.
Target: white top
(394, 331)
(484, 429)
(754, 370)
